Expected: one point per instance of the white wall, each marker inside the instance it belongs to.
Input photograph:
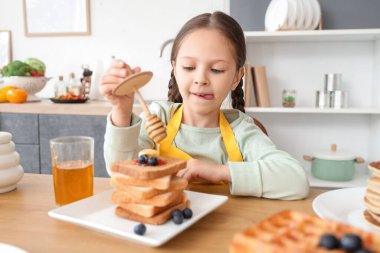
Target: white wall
(130, 30)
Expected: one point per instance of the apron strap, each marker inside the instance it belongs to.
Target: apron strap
(229, 140)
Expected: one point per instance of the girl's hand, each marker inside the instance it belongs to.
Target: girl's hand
(198, 170)
(121, 105)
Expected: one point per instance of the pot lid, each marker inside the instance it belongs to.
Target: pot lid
(333, 154)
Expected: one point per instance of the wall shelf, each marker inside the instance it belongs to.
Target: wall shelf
(313, 110)
(316, 35)
(299, 60)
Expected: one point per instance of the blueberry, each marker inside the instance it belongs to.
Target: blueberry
(178, 219)
(176, 212)
(329, 241)
(139, 229)
(152, 161)
(187, 213)
(142, 159)
(351, 242)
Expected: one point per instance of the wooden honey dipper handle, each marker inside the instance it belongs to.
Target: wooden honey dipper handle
(153, 125)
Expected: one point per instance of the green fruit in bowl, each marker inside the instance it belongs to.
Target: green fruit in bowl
(36, 64)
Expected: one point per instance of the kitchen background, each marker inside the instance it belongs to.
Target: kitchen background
(135, 31)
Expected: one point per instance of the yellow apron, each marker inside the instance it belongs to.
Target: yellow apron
(167, 149)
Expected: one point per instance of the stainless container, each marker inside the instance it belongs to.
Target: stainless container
(333, 81)
(322, 99)
(338, 99)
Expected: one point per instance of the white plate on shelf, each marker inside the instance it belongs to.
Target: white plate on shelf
(292, 14)
(316, 8)
(7, 248)
(300, 16)
(308, 14)
(98, 213)
(344, 205)
(276, 15)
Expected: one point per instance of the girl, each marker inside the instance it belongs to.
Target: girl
(207, 56)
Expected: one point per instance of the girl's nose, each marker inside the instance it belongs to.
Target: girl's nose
(201, 78)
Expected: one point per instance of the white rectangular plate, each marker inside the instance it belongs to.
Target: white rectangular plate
(98, 213)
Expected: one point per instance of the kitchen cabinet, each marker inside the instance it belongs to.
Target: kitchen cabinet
(298, 60)
(32, 132)
(24, 128)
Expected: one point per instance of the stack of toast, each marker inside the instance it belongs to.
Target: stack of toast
(290, 231)
(148, 194)
(372, 195)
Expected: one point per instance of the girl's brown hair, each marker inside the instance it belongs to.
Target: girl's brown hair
(232, 31)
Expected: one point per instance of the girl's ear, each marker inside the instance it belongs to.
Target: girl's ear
(238, 77)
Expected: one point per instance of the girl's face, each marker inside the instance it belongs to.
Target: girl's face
(205, 70)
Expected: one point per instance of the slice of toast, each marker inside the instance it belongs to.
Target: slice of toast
(162, 183)
(151, 210)
(140, 192)
(145, 172)
(158, 219)
(163, 199)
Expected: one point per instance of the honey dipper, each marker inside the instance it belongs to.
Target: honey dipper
(153, 125)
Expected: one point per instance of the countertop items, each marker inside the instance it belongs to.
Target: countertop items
(28, 226)
(11, 171)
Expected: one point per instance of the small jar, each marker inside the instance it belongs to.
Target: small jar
(289, 98)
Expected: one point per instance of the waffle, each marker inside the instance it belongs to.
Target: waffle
(290, 231)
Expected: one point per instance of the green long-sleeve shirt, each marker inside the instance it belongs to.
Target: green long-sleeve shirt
(266, 171)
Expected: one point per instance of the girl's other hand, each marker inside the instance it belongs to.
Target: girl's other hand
(198, 170)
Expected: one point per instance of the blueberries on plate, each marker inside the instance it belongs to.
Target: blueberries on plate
(177, 216)
(178, 219)
(187, 213)
(152, 161)
(176, 212)
(142, 159)
(351, 242)
(329, 241)
(139, 229)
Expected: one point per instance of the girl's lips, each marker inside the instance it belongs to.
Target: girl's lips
(204, 96)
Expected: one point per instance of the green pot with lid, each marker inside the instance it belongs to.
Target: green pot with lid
(333, 165)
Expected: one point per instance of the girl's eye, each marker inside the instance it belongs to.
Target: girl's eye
(217, 71)
(188, 68)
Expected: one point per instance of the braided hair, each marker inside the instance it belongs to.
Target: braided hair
(232, 31)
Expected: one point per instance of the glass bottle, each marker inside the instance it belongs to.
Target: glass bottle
(74, 87)
(60, 88)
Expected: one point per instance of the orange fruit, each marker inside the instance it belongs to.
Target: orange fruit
(3, 93)
(17, 95)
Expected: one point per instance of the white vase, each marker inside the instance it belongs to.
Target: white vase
(11, 171)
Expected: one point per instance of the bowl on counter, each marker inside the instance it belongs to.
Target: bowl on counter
(333, 165)
(32, 85)
(11, 171)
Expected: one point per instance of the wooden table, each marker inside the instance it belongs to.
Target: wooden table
(24, 221)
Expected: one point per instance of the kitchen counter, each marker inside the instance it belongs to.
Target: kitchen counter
(26, 224)
(45, 106)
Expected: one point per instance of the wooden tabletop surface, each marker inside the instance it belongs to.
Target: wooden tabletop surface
(24, 221)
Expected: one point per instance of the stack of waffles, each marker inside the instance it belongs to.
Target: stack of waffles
(148, 194)
(372, 195)
(290, 231)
